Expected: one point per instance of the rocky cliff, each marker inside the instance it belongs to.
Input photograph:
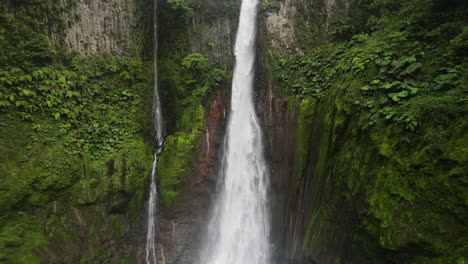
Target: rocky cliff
(97, 27)
(340, 171)
(189, 164)
(363, 105)
(359, 179)
(75, 144)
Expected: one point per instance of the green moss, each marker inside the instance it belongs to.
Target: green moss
(31, 169)
(304, 122)
(123, 261)
(20, 240)
(72, 141)
(116, 227)
(177, 156)
(410, 182)
(135, 206)
(187, 81)
(382, 140)
(308, 235)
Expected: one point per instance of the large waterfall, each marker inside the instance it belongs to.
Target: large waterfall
(239, 225)
(158, 128)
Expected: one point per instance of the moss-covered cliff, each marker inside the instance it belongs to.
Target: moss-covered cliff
(75, 98)
(195, 58)
(364, 106)
(380, 160)
(75, 150)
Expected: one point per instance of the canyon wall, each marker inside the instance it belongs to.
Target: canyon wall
(362, 110)
(188, 185)
(347, 186)
(97, 27)
(76, 152)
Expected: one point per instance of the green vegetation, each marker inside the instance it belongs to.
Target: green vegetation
(383, 101)
(183, 9)
(187, 80)
(304, 122)
(82, 97)
(72, 140)
(384, 88)
(194, 81)
(17, 240)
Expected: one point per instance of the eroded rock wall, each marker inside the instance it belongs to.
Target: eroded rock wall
(96, 27)
(213, 30)
(210, 32)
(279, 22)
(59, 202)
(354, 192)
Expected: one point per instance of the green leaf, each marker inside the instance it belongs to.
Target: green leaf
(365, 88)
(383, 100)
(15, 70)
(4, 103)
(44, 88)
(387, 85)
(413, 90)
(394, 96)
(56, 115)
(381, 62)
(445, 77)
(26, 92)
(413, 67)
(403, 94)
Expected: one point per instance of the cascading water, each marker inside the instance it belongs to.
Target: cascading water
(239, 227)
(158, 128)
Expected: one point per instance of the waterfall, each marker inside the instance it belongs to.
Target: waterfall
(158, 129)
(239, 225)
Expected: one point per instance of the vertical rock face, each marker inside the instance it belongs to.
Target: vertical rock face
(182, 223)
(339, 187)
(288, 22)
(101, 27)
(293, 199)
(281, 156)
(279, 23)
(211, 31)
(79, 206)
(298, 198)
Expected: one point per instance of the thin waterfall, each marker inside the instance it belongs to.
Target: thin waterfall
(159, 137)
(239, 225)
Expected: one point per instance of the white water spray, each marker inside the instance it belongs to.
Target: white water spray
(158, 128)
(239, 227)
